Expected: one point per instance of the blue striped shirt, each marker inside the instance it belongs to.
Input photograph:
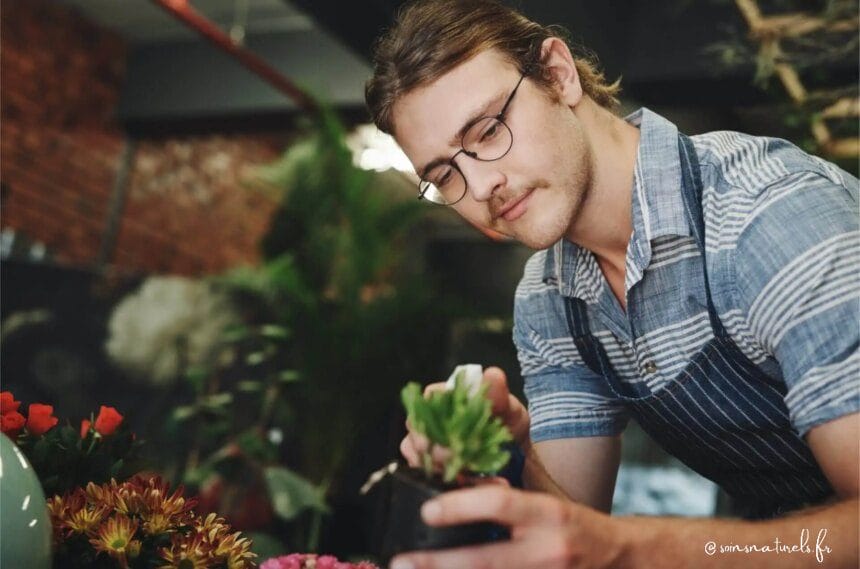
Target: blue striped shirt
(782, 249)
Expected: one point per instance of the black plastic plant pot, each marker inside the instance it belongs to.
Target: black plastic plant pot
(406, 531)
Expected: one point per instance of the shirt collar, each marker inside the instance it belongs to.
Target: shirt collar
(657, 204)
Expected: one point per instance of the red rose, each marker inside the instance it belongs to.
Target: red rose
(8, 403)
(107, 421)
(40, 419)
(11, 423)
(85, 428)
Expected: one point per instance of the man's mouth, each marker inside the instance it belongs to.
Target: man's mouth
(515, 207)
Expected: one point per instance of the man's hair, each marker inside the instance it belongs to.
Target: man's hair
(431, 37)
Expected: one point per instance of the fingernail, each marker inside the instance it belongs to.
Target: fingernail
(431, 510)
(402, 564)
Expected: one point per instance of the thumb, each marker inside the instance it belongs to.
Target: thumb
(504, 405)
(497, 389)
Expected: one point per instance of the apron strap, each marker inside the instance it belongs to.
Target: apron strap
(576, 311)
(691, 190)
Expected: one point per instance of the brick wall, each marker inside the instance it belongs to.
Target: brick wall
(60, 150)
(191, 207)
(59, 146)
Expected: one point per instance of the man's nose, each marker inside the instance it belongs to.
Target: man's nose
(482, 178)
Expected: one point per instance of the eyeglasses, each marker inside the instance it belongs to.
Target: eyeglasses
(487, 139)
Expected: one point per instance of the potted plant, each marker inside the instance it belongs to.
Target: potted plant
(460, 420)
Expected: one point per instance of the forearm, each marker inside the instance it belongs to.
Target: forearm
(535, 476)
(825, 536)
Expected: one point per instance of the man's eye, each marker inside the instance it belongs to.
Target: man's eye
(442, 178)
(490, 132)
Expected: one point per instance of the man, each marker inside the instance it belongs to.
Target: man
(706, 287)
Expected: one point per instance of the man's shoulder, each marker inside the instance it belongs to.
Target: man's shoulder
(744, 176)
(734, 162)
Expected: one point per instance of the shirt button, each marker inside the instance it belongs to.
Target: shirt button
(650, 367)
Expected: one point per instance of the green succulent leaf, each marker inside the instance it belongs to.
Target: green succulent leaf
(461, 422)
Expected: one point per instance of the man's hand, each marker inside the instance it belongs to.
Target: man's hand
(505, 406)
(546, 532)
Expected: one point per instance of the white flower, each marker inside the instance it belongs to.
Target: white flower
(472, 375)
(168, 325)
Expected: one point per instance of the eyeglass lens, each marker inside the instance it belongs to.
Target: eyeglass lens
(488, 139)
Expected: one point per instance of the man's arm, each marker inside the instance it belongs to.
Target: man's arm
(548, 532)
(826, 535)
(584, 469)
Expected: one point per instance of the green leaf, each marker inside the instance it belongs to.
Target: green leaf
(196, 376)
(289, 376)
(461, 422)
(183, 413)
(292, 494)
(116, 468)
(218, 400)
(40, 451)
(256, 358)
(249, 386)
(235, 333)
(69, 437)
(274, 332)
(264, 545)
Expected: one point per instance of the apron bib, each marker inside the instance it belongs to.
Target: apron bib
(721, 416)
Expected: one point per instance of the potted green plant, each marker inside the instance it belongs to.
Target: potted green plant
(460, 420)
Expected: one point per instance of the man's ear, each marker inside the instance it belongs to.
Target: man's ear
(558, 61)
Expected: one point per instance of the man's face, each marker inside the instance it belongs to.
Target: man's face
(535, 191)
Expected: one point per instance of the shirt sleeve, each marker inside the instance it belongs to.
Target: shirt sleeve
(797, 266)
(565, 398)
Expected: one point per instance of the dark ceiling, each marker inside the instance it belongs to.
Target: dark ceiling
(662, 50)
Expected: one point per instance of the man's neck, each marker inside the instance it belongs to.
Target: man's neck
(604, 223)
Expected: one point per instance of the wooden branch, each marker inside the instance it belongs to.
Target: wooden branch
(750, 11)
(843, 148)
(794, 25)
(768, 31)
(842, 109)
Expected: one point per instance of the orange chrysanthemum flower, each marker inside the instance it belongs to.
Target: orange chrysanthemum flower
(116, 538)
(124, 520)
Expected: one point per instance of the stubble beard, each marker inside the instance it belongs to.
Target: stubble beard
(566, 207)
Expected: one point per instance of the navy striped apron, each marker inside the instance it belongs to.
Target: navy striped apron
(721, 416)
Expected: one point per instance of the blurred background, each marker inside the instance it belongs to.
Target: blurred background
(200, 228)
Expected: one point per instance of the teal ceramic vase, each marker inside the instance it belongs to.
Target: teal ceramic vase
(25, 529)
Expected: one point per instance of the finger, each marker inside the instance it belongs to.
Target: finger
(440, 455)
(434, 387)
(500, 555)
(408, 452)
(497, 389)
(498, 480)
(505, 406)
(419, 442)
(494, 503)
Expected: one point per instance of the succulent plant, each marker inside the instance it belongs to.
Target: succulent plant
(462, 422)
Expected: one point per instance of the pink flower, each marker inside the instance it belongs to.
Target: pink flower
(303, 561)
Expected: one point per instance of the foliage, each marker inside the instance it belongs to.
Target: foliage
(234, 428)
(811, 48)
(337, 272)
(141, 524)
(460, 422)
(65, 457)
